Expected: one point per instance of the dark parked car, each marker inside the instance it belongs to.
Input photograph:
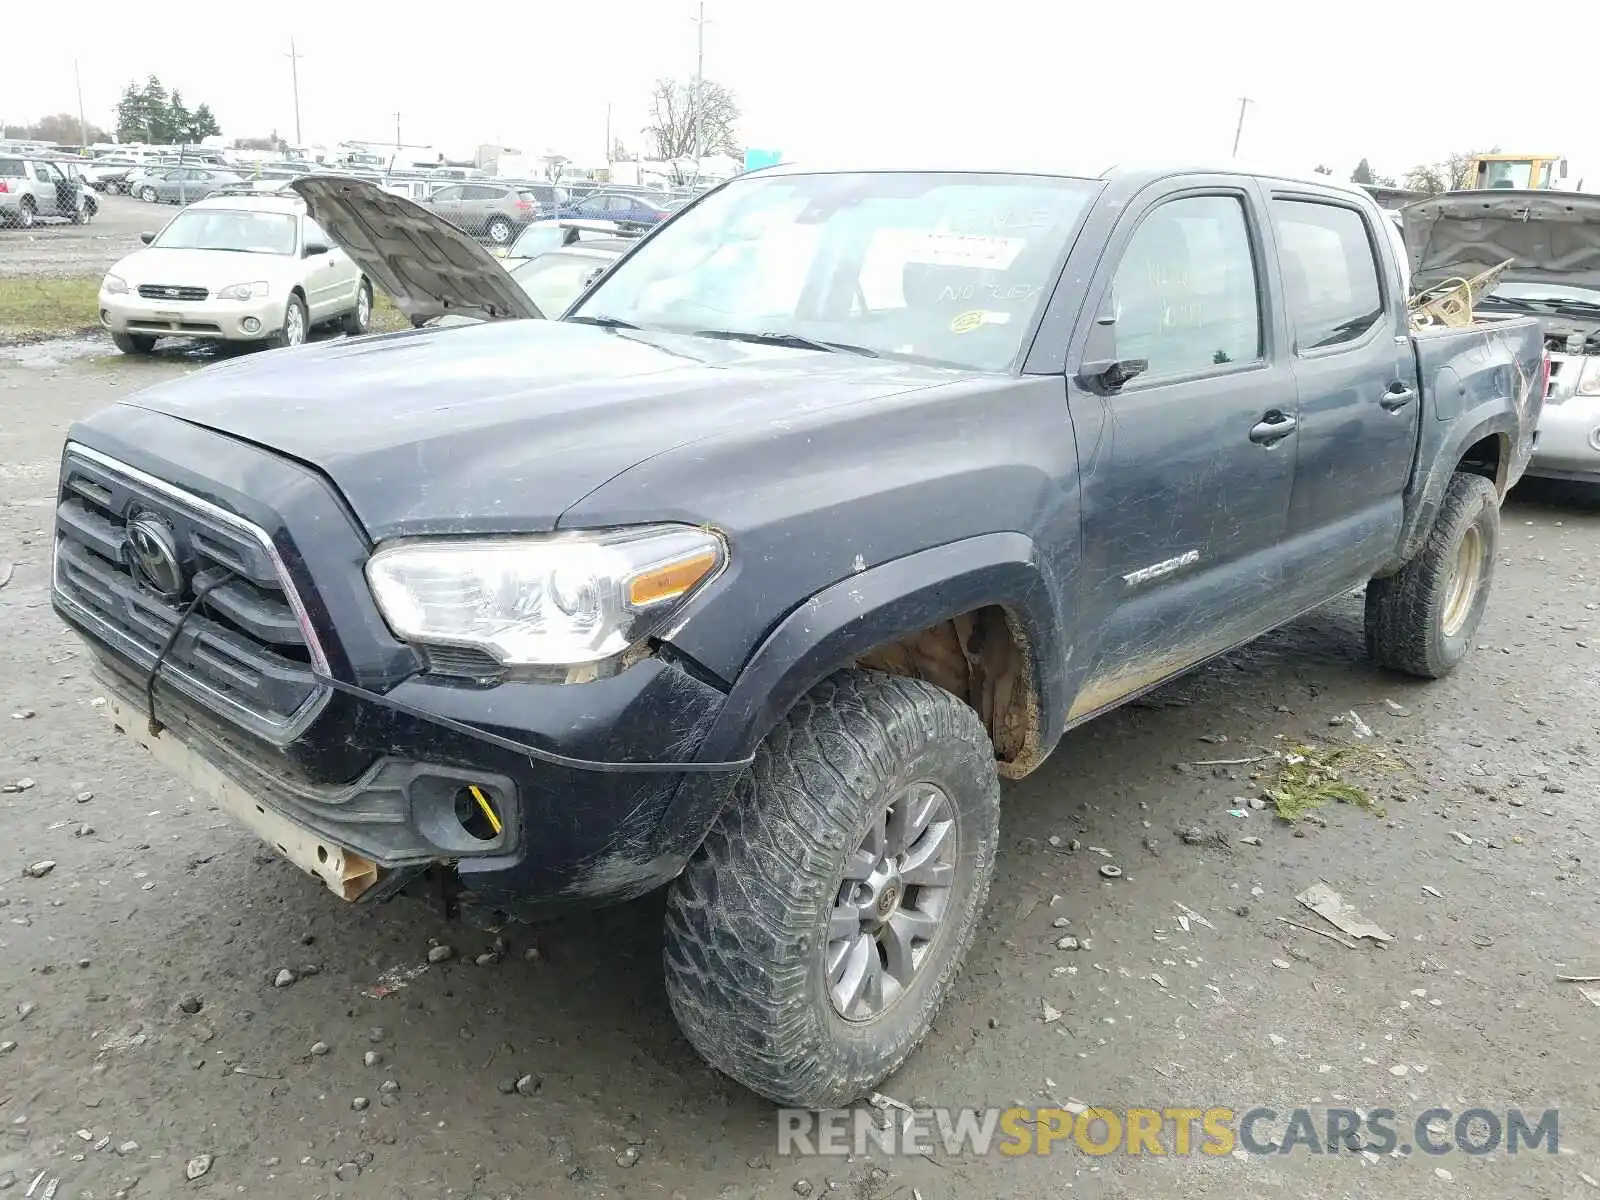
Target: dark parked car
(838, 499)
(624, 208)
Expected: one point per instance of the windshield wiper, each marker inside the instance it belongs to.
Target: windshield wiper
(603, 322)
(1571, 305)
(794, 340)
(1508, 301)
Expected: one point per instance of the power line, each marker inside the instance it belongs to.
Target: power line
(1239, 129)
(83, 127)
(294, 74)
(699, 83)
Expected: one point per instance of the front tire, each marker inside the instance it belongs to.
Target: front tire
(793, 963)
(499, 231)
(148, 195)
(133, 343)
(296, 324)
(1422, 619)
(359, 319)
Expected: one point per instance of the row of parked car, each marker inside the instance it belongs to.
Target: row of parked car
(191, 279)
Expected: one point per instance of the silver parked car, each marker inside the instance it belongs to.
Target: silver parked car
(236, 269)
(31, 188)
(184, 185)
(1551, 241)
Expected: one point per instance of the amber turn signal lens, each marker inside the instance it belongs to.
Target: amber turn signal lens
(674, 579)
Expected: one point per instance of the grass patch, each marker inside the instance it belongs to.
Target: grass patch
(1310, 777)
(33, 309)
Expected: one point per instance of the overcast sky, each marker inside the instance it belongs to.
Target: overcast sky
(1077, 83)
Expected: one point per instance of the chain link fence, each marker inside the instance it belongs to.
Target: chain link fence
(69, 213)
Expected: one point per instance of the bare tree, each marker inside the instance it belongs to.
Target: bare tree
(1429, 179)
(684, 125)
(1433, 178)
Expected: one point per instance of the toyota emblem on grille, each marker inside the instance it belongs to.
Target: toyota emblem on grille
(153, 556)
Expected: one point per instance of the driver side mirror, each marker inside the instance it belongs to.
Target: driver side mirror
(147, 238)
(315, 248)
(1107, 376)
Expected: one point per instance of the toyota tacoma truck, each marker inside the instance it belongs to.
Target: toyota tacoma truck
(836, 500)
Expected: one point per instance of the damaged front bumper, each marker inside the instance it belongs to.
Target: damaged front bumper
(558, 834)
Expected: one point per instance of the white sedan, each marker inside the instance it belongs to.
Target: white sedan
(235, 269)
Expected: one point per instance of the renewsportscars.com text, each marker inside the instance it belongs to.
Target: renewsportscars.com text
(1174, 1131)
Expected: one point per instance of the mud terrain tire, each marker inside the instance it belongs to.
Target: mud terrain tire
(749, 921)
(1422, 619)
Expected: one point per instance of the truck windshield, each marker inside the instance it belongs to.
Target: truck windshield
(947, 268)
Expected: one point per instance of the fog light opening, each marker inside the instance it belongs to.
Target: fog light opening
(250, 325)
(476, 813)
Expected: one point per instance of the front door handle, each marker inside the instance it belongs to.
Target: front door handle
(1397, 397)
(1272, 428)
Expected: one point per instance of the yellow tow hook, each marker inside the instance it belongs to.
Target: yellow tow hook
(488, 809)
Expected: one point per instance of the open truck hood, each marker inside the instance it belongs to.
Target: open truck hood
(427, 265)
(1552, 237)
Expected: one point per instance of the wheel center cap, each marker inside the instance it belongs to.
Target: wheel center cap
(888, 899)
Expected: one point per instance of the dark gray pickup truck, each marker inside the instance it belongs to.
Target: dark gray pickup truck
(838, 499)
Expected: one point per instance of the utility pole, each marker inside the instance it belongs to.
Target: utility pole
(608, 133)
(1239, 129)
(397, 131)
(699, 81)
(83, 126)
(294, 74)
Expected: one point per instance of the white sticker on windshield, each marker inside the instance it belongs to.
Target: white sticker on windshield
(974, 251)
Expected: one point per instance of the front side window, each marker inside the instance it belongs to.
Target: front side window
(1330, 272)
(1185, 297)
(950, 268)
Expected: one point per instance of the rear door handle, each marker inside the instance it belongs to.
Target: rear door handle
(1397, 397)
(1272, 428)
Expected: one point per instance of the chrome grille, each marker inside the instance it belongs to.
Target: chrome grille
(162, 291)
(245, 654)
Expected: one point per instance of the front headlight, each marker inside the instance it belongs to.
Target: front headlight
(557, 600)
(244, 291)
(1589, 378)
(114, 285)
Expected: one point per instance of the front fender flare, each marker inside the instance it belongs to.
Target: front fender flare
(889, 601)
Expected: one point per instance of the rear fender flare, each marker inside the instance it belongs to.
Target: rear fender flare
(1428, 497)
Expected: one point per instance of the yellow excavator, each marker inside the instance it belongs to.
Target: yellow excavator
(1538, 172)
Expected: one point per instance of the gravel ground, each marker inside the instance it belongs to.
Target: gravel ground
(137, 976)
(57, 250)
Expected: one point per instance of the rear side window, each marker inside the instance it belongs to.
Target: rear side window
(10, 168)
(1185, 296)
(1330, 272)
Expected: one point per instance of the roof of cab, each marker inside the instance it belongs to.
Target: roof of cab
(1138, 173)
